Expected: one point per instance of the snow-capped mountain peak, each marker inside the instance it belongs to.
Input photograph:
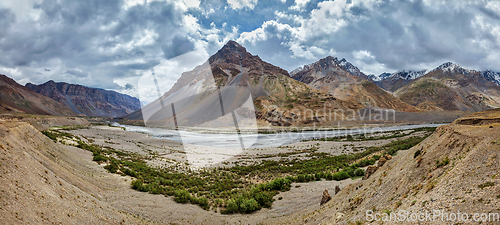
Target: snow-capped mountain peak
(452, 67)
(491, 76)
(408, 75)
(331, 61)
(402, 74)
(347, 66)
(295, 71)
(374, 77)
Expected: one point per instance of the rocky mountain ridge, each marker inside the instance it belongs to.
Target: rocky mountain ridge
(491, 76)
(451, 87)
(345, 81)
(394, 81)
(88, 101)
(15, 99)
(231, 77)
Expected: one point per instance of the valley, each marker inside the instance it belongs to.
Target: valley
(113, 194)
(248, 112)
(113, 175)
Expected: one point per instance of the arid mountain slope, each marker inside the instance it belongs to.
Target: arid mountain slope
(41, 182)
(455, 169)
(240, 77)
(344, 82)
(15, 98)
(88, 101)
(451, 87)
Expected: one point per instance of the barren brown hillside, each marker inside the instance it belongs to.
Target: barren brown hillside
(455, 169)
(15, 98)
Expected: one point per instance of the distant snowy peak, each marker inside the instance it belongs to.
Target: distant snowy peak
(347, 66)
(403, 74)
(453, 67)
(384, 76)
(491, 76)
(374, 77)
(408, 75)
(295, 71)
(330, 62)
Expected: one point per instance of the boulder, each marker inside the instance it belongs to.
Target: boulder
(370, 170)
(381, 161)
(337, 189)
(326, 197)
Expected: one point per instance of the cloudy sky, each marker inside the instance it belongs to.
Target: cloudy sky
(110, 44)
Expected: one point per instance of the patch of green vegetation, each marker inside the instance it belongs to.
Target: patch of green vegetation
(362, 137)
(73, 127)
(417, 153)
(55, 134)
(229, 187)
(444, 162)
(387, 211)
(487, 184)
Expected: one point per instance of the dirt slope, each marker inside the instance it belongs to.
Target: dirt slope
(38, 184)
(469, 182)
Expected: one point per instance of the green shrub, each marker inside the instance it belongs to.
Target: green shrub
(155, 189)
(112, 167)
(329, 176)
(264, 198)
(136, 184)
(100, 158)
(349, 171)
(342, 175)
(359, 172)
(365, 162)
(487, 184)
(249, 205)
(318, 176)
(129, 172)
(301, 178)
(203, 202)
(281, 184)
(182, 196)
(445, 162)
(417, 153)
(231, 207)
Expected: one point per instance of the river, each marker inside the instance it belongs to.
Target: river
(254, 140)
